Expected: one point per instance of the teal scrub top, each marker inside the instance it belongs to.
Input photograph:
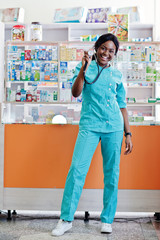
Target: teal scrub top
(102, 100)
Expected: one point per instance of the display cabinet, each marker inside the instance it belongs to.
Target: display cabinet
(35, 155)
(1, 125)
(31, 77)
(39, 80)
(140, 64)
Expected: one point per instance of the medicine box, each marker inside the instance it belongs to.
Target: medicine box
(98, 15)
(76, 14)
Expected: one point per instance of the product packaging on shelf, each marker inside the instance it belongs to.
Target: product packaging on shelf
(36, 74)
(87, 38)
(36, 31)
(134, 13)
(21, 68)
(12, 15)
(18, 32)
(98, 15)
(76, 14)
(36, 65)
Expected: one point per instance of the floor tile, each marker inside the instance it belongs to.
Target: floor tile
(67, 236)
(39, 227)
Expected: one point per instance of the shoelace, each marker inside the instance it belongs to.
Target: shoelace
(107, 224)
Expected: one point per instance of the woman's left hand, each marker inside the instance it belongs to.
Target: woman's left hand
(129, 145)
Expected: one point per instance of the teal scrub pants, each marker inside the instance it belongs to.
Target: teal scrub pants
(85, 147)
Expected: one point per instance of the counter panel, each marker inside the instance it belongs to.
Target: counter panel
(39, 156)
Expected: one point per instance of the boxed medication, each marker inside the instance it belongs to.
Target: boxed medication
(98, 15)
(76, 14)
(12, 15)
(134, 15)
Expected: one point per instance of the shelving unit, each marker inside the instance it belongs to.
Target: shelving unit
(72, 31)
(1, 100)
(140, 87)
(68, 55)
(141, 64)
(56, 142)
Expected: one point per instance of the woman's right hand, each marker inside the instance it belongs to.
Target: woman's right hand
(86, 58)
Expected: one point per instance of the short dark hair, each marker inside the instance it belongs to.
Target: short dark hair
(107, 37)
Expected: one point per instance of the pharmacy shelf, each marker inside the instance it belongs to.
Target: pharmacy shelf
(127, 61)
(31, 81)
(140, 42)
(9, 25)
(77, 123)
(140, 81)
(141, 87)
(31, 43)
(57, 102)
(143, 104)
(62, 76)
(144, 123)
(33, 60)
(71, 31)
(43, 103)
(138, 106)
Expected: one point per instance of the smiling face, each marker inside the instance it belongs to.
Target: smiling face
(105, 53)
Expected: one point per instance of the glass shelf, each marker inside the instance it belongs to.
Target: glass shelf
(143, 104)
(38, 82)
(61, 102)
(40, 103)
(39, 113)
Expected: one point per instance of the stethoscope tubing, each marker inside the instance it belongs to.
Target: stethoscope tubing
(98, 75)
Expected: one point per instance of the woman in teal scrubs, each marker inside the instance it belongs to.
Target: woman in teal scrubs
(104, 118)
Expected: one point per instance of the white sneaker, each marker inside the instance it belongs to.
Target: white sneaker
(106, 228)
(61, 228)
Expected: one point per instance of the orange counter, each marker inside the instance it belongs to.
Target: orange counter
(39, 156)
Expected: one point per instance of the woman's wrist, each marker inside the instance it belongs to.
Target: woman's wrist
(128, 134)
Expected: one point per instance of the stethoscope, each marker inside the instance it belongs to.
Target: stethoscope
(90, 53)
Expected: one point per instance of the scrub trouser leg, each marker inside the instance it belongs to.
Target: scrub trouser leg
(111, 149)
(85, 147)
